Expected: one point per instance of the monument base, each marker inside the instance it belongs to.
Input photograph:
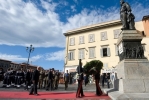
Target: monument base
(132, 82)
(117, 95)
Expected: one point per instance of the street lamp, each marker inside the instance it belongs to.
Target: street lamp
(29, 50)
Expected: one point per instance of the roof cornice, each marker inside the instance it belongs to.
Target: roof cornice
(93, 27)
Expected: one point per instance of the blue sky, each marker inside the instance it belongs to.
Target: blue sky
(43, 22)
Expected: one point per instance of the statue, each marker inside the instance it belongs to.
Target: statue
(127, 18)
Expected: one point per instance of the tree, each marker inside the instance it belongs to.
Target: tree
(93, 66)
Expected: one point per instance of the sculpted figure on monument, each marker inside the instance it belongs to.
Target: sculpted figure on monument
(127, 18)
(140, 52)
(126, 51)
(133, 53)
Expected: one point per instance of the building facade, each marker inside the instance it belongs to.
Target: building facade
(4, 64)
(96, 42)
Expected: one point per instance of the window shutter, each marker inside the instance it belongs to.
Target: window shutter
(70, 41)
(92, 52)
(68, 56)
(106, 37)
(83, 54)
(106, 65)
(108, 52)
(89, 52)
(79, 55)
(116, 50)
(82, 39)
(71, 56)
(101, 53)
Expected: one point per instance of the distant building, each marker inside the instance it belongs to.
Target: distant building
(4, 64)
(14, 65)
(98, 42)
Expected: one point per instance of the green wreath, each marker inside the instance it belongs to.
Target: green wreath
(92, 67)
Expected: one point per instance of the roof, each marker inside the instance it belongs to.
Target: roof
(5, 60)
(93, 27)
(15, 63)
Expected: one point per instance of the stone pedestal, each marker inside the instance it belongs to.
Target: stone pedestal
(133, 76)
(132, 70)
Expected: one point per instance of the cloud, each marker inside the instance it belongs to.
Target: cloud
(76, 1)
(23, 23)
(19, 58)
(73, 8)
(53, 56)
(12, 57)
(59, 55)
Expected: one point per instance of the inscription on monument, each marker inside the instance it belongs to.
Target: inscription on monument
(120, 48)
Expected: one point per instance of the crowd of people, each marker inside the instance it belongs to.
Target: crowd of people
(46, 79)
(19, 77)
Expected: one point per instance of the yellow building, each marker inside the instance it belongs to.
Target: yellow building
(96, 42)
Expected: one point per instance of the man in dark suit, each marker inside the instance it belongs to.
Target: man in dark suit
(80, 80)
(50, 78)
(35, 79)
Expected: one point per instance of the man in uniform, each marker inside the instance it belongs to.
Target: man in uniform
(57, 74)
(66, 79)
(1, 74)
(46, 78)
(50, 80)
(41, 79)
(80, 80)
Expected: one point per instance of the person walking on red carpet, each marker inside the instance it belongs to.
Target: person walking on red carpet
(80, 93)
(35, 79)
(97, 78)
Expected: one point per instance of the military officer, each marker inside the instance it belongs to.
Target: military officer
(66, 79)
(41, 76)
(80, 93)
(97, 78)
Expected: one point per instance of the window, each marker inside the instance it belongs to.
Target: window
(105, 52)
(116, 33)
(103, 36)
(105, 65)
(92, 52)
(116, 50)
(81, 39)
(71, 55)
(91, 38)
(72, 41)
(81, 53)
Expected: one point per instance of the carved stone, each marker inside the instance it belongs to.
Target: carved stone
(129, 44)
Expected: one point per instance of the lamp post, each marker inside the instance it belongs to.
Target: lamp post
(29, 50)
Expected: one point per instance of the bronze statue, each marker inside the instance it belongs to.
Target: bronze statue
(127, 18)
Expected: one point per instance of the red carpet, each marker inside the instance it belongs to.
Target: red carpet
(50, 95)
